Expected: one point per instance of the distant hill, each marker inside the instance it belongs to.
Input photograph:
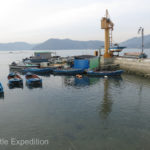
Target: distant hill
(66, 44)
(136, 42)
(57, 44)
(16, 46)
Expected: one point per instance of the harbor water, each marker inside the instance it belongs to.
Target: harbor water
(75, 114)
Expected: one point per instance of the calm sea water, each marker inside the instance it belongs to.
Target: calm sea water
(76, 114)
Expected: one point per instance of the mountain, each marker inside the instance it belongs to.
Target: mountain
(65, 44)
(16, 46)
(136, 42)
(57, 44)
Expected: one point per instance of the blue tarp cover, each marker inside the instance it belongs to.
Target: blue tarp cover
(81, 63)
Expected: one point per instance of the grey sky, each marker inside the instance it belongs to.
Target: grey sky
(38, 20)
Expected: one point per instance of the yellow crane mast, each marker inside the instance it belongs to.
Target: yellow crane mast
(107, 24)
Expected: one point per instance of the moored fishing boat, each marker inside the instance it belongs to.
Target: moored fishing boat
(14, 79)
(38, 70)
(117, 48)
(70, 71)
(105, 73)
(21, 65)
(33, 79)
(1, 89)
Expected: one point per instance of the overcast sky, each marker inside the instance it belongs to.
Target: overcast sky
(38, 20)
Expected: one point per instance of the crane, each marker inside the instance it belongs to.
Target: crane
(107, 25)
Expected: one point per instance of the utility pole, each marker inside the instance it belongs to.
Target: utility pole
(142, 33)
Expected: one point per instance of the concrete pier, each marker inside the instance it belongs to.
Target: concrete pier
(130, 65)
(134, 66)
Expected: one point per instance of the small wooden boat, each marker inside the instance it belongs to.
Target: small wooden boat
(14, 79)
(38, 70)
(105, 73)
(1, 89)
(33, 79)
(68, 71)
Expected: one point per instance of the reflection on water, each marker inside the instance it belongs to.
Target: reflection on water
(84, 81)
(1, 95)
(15, 86)
(34, 86)
(106, 104)
(80, 82)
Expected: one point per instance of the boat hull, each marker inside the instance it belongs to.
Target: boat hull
(68, 72)
(38, 70)
(1, 89)
(105, 73)
(15, 81)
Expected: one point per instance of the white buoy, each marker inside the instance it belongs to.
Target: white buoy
(105, 76)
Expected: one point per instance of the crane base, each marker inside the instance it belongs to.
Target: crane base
(106, 61)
